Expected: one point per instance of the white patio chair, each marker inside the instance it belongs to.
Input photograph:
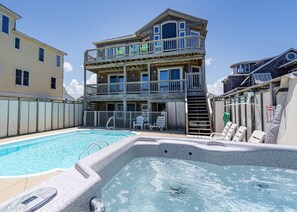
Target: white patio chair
(257, 137)
(160, 123)
(139, 122)
(239, 135)
(218, 135)
(231, 132)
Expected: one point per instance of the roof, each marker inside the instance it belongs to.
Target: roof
(288, 64)
(173, 13)
(33, 39)
(234, 75)
(244, 62)
(17, 16)
(122, 38)
(276, 57)
(152, 22)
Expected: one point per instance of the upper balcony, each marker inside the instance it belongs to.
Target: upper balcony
(146, 50)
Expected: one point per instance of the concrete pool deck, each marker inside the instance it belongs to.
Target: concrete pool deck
(10, 187)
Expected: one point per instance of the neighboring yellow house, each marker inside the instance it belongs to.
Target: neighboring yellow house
(28, 67)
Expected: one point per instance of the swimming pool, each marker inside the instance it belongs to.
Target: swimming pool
(58, 151)
(162, 184)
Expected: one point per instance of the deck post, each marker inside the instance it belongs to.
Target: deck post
(125, 100)
(149, 77)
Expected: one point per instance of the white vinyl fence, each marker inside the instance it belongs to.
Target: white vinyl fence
(20, 117)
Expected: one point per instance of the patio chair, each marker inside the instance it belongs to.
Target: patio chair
(218, 135)
(257, 137)
(230, 132)
(239, 135)
(139, 122)
(160, 123)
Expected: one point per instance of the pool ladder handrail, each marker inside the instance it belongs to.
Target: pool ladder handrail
(109, 120)
(92, 146)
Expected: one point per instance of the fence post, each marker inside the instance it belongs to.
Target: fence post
(130, 121)
(37, 115)
(95, 118)
(114, 117)
(85, 118)
(64, 114)
(19, 116)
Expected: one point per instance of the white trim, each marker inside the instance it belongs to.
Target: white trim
(18, 49)
(168, 69)
(195, 31)
(1, 16)
(184, 25)
(166, 22)
(291, 53)
(156, 26)
(195, 66)
(55, 83)
(22, 79)
(182, 32)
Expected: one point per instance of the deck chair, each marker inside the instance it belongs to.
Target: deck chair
(139, 122)
(239, 135)
(160, 123)
(230, 132)
(257, 137)
(218, 135)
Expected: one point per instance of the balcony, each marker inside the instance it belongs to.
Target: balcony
(149, 49)
(142, 88)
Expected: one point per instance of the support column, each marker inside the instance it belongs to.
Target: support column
(85, 86)
(149, 77)
(149, 108)
(125, 112)
(203, 74)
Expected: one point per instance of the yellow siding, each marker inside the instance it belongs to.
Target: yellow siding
(27, 59)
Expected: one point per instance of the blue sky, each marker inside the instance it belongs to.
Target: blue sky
(237, 29)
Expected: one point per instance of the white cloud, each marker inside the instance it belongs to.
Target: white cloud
(67, 67)
(217, 87)
(209, 61)
(77, 90)
(92, 79)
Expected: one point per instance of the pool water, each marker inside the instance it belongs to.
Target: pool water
(50, 152)
(160, 184)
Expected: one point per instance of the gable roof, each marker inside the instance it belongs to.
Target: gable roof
(15, 15)
(151, 23)
(173, 13)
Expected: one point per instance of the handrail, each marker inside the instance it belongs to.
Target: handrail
(109, 120)
(93, 145)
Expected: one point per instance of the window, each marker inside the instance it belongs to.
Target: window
(182, 25)
(5, 24)
(262, 77)
(17, 43)
(182, 41)
(291, 56)
(58, 61)
(243, 68)
(21, 77)
(41, 54)
(53, 83)
(156, 29)
(116, 83)
(170, 79)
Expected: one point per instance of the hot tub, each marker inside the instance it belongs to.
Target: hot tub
(260, 176)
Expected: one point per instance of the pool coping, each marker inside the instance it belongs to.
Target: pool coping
(83, 179)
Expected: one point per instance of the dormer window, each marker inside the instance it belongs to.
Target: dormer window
(243, 68)
(5, 24)
(291, 56)
(182, 25)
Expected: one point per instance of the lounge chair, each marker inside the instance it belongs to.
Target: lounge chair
(239, 135)
(160, 123)
(230, 132)
(257, 137)
(218, 135)
(139, 122)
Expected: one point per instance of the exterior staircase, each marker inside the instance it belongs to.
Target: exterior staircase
(198, 117)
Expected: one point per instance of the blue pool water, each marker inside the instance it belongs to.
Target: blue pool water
(160, 184)
(50, 152)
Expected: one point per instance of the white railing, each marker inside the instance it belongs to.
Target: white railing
(148, 48)
(194, 82)
(162, 86)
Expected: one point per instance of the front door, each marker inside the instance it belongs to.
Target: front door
(194, 78)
